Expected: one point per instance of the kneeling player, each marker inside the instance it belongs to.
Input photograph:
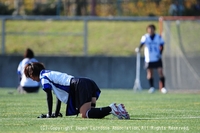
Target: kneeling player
(80, 94)
(154, 45)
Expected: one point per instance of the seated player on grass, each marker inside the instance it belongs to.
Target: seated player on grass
(80, 94)
(27, 85)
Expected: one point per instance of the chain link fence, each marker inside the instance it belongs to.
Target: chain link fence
(182, 53)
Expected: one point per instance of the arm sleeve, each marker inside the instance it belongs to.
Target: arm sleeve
(162, 42)
(19, 71)
(140, 46)
(45, 84)
(58, 105)
(19, 68)
(47, 88)
(143, 40)
(161, 45)
(161, 49)
(49, 100)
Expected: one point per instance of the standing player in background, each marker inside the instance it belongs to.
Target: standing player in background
(26, 85)
(154, 45)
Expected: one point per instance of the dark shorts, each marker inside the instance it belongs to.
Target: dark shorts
(154, 65)
(85, 89)
(30, 89)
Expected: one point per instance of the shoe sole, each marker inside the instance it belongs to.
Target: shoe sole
(123, 112)
(117, 114)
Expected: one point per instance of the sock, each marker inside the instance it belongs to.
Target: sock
(162, 80)
(98, 112)
(93, 105)
(151, 82)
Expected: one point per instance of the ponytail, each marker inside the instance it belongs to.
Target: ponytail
(33, 69)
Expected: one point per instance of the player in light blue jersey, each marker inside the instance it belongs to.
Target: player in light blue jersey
(153, 48)
(80, 94)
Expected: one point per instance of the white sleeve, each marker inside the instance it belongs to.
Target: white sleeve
(45, 84)
(19, 69)
(143, 40)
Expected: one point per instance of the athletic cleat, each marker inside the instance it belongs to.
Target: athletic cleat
(163, 90)
(123, 111)
(151, 90)
(115, 111)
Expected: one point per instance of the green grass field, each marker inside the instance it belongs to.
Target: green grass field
(150, 113)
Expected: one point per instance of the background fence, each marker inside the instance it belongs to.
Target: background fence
(115, 36)
(92, 7)
(182, 52)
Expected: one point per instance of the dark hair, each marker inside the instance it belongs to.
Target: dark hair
(152, 26)
(33, 69)
(28, 53)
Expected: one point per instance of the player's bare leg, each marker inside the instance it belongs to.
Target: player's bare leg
(84, 108)
(150, 79)
(161, 81)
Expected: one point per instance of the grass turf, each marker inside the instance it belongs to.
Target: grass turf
(150, 113)
(104, 38)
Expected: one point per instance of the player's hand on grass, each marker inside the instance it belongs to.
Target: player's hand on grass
(54, 115)
(43, 116)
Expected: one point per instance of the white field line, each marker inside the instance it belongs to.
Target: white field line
(171, 118)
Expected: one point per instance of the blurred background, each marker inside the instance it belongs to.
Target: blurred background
(97, 38)
(97, 7)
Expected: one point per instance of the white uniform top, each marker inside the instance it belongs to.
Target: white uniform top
(26, 82)
(58, 82)
(152, 47)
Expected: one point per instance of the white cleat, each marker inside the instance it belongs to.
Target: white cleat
(115, 111)
(151, 90)
(163, 90)
(123, 111)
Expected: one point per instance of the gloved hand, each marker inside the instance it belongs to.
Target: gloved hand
(43, 116)
(54, 115)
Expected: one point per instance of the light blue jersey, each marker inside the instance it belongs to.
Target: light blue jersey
(152, 47)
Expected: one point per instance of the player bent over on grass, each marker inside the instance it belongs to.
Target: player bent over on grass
(80, 94)
(154, 45)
